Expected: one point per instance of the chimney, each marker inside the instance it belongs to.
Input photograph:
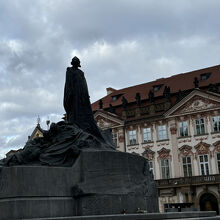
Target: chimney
(110, 90)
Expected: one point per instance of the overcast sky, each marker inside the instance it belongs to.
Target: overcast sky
(120, 43)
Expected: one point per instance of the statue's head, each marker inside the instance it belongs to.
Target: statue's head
(75, 62)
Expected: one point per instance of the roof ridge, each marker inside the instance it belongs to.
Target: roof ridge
(164, 78)
(180, 81)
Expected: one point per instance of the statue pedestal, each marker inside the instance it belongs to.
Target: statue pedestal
(100, 182)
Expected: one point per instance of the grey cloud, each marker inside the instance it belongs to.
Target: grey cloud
(18, 103)
(114, 20)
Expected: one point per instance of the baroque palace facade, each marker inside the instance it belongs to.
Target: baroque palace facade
(175, 123)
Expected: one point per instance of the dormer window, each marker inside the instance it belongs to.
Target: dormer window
(157, 87)
(205, 76)
(116, 97)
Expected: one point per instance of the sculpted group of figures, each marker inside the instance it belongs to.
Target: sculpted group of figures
(61, 145)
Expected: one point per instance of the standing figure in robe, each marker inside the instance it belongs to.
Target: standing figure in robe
(76, 100)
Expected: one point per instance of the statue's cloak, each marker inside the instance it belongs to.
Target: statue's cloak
(77, 103)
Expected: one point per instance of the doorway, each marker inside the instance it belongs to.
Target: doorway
(208, 202)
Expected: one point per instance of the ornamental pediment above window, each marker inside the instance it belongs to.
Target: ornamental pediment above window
(217, 143)
(196, 101)
(202, 148)
(149, 154)
(216, 147)
(163, 154)
(185, 150)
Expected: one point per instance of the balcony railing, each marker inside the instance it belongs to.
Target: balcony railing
(184, 181)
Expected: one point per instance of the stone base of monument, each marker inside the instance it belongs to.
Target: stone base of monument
(99, 183)
(196, 215)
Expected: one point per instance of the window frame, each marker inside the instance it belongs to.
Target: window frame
(162, 137)
(151, 168)
(131, 134)
(115, 139)
(186, 164)
(204, 163)
(205, 76)
(148, 134)
(218, 162)
(198, 125)
(165, 167)
(218, 121)
(157, 87)
(181, 125)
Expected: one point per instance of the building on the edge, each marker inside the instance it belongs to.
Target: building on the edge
(37, 132)
(175, 123)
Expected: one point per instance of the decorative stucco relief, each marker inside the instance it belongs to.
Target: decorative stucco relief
(215, 136)
(185, 140)
(201, 139)
(108, 120)
(173, 130)
(133, 147)
(163, 143)
(147, 146)
(105, 123)
(121, 138)
(197, 103)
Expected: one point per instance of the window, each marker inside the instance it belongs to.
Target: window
(183, 129)
(205, 76)
(204, 164)
(218, 160)
(146, 134)
(116, 97)
(162, 132)
(115, 139)
(187, 166)
(157, 87)
(132, 137)
(151, 166)
(165, 169)
(216, 123)
(200, 126)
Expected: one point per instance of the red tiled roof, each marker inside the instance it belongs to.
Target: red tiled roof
(183, 81)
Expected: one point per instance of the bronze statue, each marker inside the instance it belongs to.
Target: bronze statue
(196, 82)
(166, 92)
(124, 102)
(76, 96)
(100, 104)
(151, 96)
(138, 99)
